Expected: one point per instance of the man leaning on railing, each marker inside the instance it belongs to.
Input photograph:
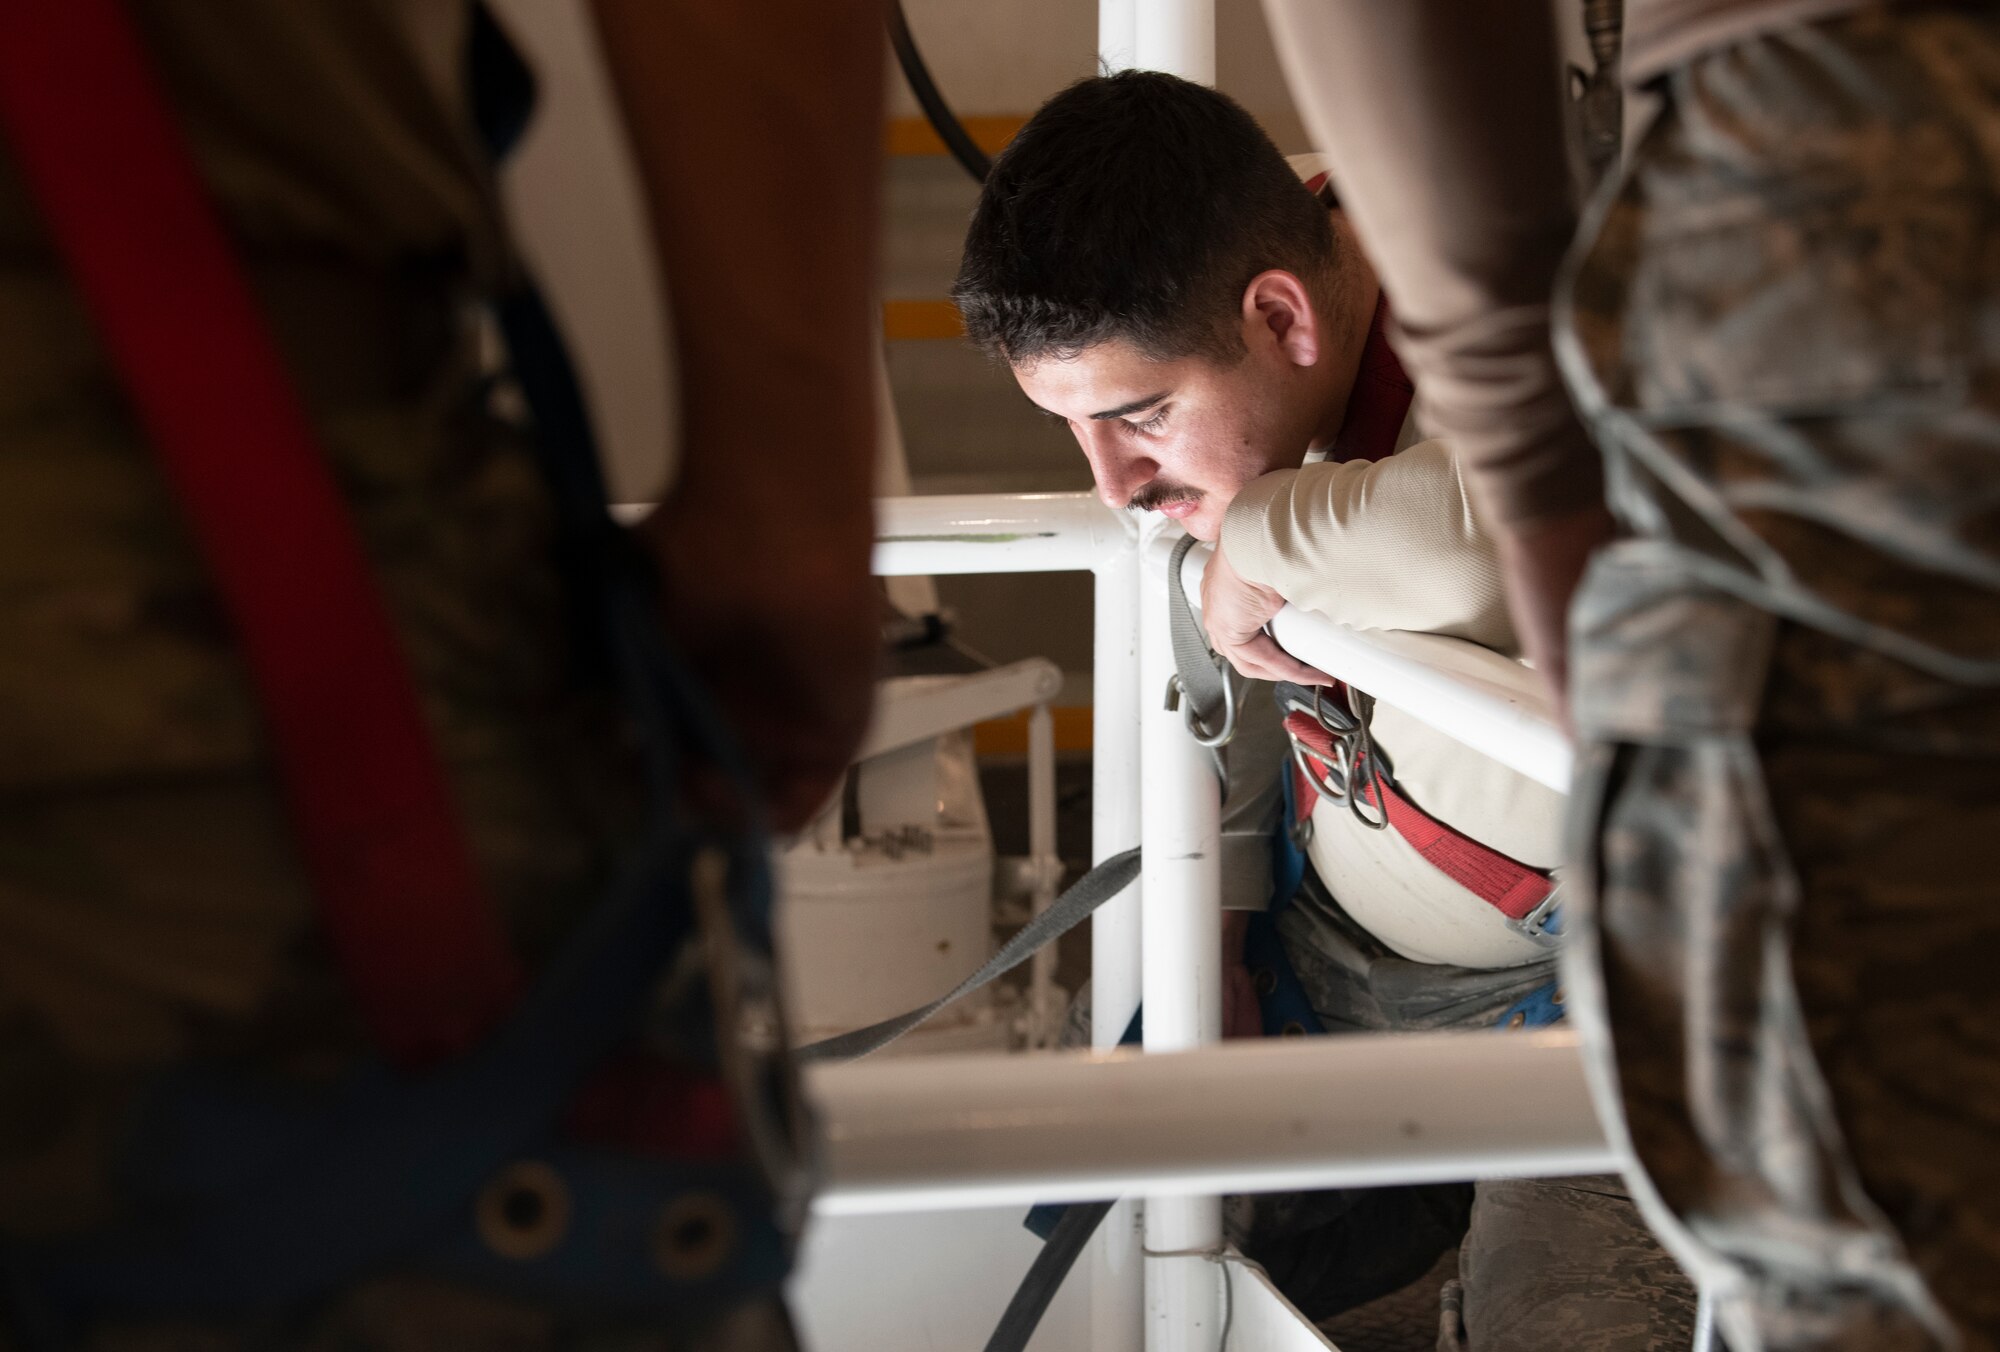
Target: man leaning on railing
(1157, 276)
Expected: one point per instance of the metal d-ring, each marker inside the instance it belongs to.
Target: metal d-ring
(1355, 759)
(1304, 757)
(1359, 748)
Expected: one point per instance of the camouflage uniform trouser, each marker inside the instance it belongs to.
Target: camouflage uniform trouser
(1784, 331)
(152, 914)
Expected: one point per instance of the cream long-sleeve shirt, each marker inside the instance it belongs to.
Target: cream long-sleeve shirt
(1395, 544)
(1392, 544)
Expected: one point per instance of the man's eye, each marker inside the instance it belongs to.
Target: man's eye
(1152, 424)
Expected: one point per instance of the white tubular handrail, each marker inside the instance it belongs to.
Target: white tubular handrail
(1423, 675)
(997, 533)
(1061, 532)
(925, 1133)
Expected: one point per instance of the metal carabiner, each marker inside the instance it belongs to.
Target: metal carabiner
(1320, 715)
(1176, 699)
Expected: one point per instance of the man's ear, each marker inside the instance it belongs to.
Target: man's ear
(1278, 310)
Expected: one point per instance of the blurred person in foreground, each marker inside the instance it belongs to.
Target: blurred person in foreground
(1784, 672)
(153, 910)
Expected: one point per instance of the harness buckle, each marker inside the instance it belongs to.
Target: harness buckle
(1544, 923)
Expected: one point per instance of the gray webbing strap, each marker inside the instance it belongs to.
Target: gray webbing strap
(1201, 688)
(1091, 891)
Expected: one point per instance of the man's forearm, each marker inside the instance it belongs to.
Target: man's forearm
(1389, 545)
(759, 159)
(1444, 124)
(758, 138)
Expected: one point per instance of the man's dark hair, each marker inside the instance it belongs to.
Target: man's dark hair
(1134, 206)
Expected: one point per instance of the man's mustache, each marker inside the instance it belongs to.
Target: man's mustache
(1157, 495)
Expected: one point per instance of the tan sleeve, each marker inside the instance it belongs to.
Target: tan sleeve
(1389, 545)
(1467, 247)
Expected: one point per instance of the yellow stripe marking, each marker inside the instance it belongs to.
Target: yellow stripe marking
(903, 319)
(1009, 736)
(913, 135)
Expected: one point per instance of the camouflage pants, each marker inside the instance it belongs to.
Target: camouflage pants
(152, 913)
(1785, 332)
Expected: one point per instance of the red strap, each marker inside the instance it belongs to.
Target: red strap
(420, 948)
(1507, 885)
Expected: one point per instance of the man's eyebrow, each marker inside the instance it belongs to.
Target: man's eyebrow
(1137, 405)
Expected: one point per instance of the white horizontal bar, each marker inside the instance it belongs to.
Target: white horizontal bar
(1423, 675)
(997, 533)
(1408, 671)
(940, 1132)
(913, 709)
(983, 532)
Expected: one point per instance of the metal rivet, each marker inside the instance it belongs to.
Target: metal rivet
(697, 1233)
(524, 1211)
(1517, 1019)
(1264, 981)
(1557, 998)
(1292, 1028)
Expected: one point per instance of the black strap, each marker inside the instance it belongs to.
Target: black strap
(1065, 1245)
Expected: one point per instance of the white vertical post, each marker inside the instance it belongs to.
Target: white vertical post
(1181, 957)
(1114, 794)
(1117, 1301)
(1044, 1017)
(1177, 36)
(1117, 34)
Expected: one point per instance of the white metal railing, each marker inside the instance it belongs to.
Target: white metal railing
(1184, 1127)
(935, 1132)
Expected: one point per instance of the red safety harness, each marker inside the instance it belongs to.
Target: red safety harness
(1507, 885)
(1377, 408)
(420, 948)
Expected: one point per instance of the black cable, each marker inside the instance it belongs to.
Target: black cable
(1057, 1256)
(943, 121)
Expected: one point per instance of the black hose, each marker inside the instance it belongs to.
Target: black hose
(943, 121)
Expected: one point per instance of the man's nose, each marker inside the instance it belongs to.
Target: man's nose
(1119, 470)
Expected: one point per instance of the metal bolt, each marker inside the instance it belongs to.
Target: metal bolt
(524, 1211)
(696, 1235)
